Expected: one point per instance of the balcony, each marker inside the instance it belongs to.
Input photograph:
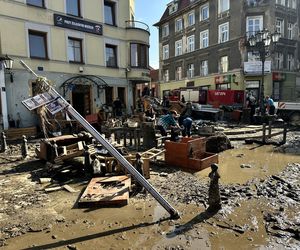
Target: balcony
(137, 25)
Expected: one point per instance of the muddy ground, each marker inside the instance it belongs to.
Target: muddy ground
(260, 190)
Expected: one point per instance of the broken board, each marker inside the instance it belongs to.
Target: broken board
(113, 190)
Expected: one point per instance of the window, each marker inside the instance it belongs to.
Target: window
(291, 4)
(178, 25)
(204, 40)
(166, 52)
(178, 73)
(111, 55)
(224, 86)
(204, 12)
(204, 68)
(166, 75)
(191, 19)
(191, 43)
(165, 30)
(254, 24)
(280, 2)
(223, 66)
(139, 55)
(178, 48)
(291, 62)
(290, 30)
(278, 60)
(223, 5)
(280, 26)
(109, 13)
(73, 7)
(75, 50)
(190, 70)
(38, 44)
(223, 32)
(38, 3)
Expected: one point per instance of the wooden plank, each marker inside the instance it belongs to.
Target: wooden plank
(70, 189)
(112, 190)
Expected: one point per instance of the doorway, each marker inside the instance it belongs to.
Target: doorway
(81, 99)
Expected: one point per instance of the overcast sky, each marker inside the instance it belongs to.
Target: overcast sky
(150, 12)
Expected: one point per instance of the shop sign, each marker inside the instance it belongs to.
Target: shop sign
(255, 67)
(252, 84)
(223, 79)
(76, 24)
(277, 76)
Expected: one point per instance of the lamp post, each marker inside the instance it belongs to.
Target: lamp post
(261, 42)
(5, 63)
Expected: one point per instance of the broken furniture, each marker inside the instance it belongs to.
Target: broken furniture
(148, 156)
(112, 190)
(189, 153)
(58, 149)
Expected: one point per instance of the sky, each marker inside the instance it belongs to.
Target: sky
(150, 12)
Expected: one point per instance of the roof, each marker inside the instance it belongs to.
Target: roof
(182, 4)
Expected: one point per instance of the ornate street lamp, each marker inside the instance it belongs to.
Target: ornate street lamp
(261, 42)
(7, 62)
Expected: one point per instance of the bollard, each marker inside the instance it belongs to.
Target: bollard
(3, 142)
(55, 149)
(284, 133)
(264, 134)
(270, 129)
(24, 147)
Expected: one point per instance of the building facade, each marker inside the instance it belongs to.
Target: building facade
(149, 88)
(91, 51)
(204, 44)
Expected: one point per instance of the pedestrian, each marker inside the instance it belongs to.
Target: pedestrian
(166, 122)
(149, 114)
(185, 120)
(117, 107)
(251, 101)
(182, 99)
(214, 200)
(270, 105)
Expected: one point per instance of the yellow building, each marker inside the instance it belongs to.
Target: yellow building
(92, 51)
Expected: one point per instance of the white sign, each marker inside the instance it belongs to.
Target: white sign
(255, 67)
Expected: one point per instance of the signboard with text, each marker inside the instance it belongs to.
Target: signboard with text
(77, 24)
(255, 67)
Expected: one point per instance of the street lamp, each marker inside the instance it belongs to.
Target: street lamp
(7, 62)
(261, 42)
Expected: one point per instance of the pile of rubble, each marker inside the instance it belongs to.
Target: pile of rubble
(292, 146)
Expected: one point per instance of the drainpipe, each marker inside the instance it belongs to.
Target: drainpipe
(3, 96)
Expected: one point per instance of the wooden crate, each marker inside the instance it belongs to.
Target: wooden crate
(189, 153)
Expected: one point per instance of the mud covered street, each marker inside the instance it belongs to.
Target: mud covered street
(260, 190)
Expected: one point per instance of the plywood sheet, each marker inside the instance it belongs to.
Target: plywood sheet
(113, 190)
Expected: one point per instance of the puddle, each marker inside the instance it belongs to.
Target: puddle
(264, 161)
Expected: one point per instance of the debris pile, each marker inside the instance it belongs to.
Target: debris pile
(292, 146)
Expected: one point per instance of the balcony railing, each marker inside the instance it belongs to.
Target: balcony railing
(137, 25)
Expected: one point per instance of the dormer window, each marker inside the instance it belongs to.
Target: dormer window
(173, 7)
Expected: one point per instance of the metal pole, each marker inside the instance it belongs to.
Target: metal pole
(136, 175)
(262, 89)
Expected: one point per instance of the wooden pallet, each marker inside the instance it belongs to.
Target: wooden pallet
(112, 190)
(147, 156)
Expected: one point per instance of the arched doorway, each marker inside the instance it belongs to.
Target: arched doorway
(81, 92)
